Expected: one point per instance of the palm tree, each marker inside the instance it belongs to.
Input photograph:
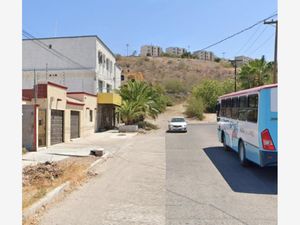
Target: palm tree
(129, 112)
(255, 73)
(142, 99)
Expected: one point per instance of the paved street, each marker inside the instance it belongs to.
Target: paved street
(129, 188)
(172, 178)
(206, 185)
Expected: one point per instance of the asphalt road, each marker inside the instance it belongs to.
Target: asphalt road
(172, 178)
(207, 185)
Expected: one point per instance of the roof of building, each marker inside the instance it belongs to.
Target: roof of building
(81, 92)
(66, 37)
(73, 101)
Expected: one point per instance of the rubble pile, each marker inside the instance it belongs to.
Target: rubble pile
(42, 172)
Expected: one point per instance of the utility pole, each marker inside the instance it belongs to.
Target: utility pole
(275, 51)
(235, 70)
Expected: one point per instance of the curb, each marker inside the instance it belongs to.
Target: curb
(99, 161)
(49, 197)
(52, 195)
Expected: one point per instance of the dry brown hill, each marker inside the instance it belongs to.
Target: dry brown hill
(188, 71)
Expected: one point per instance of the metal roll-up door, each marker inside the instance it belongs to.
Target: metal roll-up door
(57, 126)
(74, 124)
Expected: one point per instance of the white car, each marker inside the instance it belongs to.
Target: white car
(177, 124)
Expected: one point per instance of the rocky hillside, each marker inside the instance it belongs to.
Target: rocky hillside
(164, 69)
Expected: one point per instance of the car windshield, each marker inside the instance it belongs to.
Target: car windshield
(177, 120)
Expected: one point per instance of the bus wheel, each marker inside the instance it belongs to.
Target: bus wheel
(242, 154)
(226, 148)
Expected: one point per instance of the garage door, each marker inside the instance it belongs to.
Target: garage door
(57, 125)
(74, 124)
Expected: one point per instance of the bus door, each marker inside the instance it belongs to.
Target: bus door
(229, 122)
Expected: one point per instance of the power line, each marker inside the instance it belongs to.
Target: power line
(250, 46)
(262, 44)
(51, 50)
(248, 40)
(235, 34)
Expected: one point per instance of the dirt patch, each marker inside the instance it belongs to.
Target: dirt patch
(40, 179)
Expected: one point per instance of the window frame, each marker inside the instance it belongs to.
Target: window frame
(253, 108)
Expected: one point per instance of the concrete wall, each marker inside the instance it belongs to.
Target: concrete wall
(75, 80)
(79, 49)
(29, 129)
(84, 77)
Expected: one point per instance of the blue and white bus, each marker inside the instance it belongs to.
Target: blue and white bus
(247, 123)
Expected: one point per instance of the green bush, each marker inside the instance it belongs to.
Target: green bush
(174, 86)
(194, 108)
(208, 91)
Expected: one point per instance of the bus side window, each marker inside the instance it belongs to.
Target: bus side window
(235, 108)
(223, 107)
(218, 109)
(252, 108)
(243, 108)
(228, 108)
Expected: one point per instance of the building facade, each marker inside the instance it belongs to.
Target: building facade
(204, 55)
(51, 115)
(67, 83)
(242, 60)
(82, 63)
(151, 50)
(175, 51)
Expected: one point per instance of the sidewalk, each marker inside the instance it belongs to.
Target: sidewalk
(109, 141)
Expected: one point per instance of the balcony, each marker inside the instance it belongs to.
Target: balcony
(109, 98)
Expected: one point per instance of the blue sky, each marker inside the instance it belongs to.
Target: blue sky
(192, 24)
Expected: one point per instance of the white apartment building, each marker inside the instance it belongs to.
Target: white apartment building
(81, 63)
(175, 51)
(151, 50)
(204, 55)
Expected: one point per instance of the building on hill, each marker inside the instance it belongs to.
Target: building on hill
(151, 50)
(204, 55)
(176, 51)
(242, 60)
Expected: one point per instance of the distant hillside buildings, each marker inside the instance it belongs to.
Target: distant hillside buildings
(204, 55)
(151, 50)
(175, 51)
(241, 60)
(155, 51)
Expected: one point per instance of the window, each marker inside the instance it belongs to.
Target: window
(91, 115)
(218, 109)
(100, 58)
(107, 64)
(243, 108)
(252, 108)
(235, 108)
(223, 107)
(228, 108)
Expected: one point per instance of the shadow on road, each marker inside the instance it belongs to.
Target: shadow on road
(251, 179)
